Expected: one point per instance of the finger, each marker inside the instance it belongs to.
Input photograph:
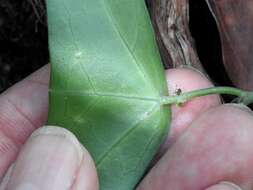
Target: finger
(23, 109)
(186, 79)
(216, 147)
(52, 158)
(24, 106)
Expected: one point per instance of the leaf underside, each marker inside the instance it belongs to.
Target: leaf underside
(106, 83)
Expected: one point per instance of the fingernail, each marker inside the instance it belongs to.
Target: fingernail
(231, 185)
(5, 180)
(241, 107)
(224, 185)
(49, 160)
(193, 69)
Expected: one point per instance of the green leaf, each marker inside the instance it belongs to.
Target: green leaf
(106, 84)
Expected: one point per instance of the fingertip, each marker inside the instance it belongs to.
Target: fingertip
(87, 178)
(187, 79)
(181, 80)
(53, 158)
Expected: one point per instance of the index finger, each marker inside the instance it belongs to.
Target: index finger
(23, 109)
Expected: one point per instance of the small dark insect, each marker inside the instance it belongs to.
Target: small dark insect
(178, 91)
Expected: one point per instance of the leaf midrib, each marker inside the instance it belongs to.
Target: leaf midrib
(113, 95)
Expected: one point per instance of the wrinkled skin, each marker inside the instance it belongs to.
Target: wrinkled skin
(210, 145)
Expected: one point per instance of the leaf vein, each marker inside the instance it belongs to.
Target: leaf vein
(116, 28)
(126, 134)
(77, 47)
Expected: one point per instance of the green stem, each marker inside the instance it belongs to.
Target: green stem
(245, 97)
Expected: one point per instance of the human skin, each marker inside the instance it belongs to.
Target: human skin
(24, 109)
(182, 80)
(215, 147)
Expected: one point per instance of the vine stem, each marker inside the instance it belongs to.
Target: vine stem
(245, 97)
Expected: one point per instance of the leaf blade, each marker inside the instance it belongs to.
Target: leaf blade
(106, 82)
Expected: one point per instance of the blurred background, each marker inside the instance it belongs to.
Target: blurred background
(24, 45)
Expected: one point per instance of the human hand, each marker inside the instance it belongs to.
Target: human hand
(52, 158)
(200, 152)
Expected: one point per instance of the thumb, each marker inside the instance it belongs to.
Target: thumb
(52, 158)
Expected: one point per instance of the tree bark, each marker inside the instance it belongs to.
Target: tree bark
(171, 22)
(235, 22)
